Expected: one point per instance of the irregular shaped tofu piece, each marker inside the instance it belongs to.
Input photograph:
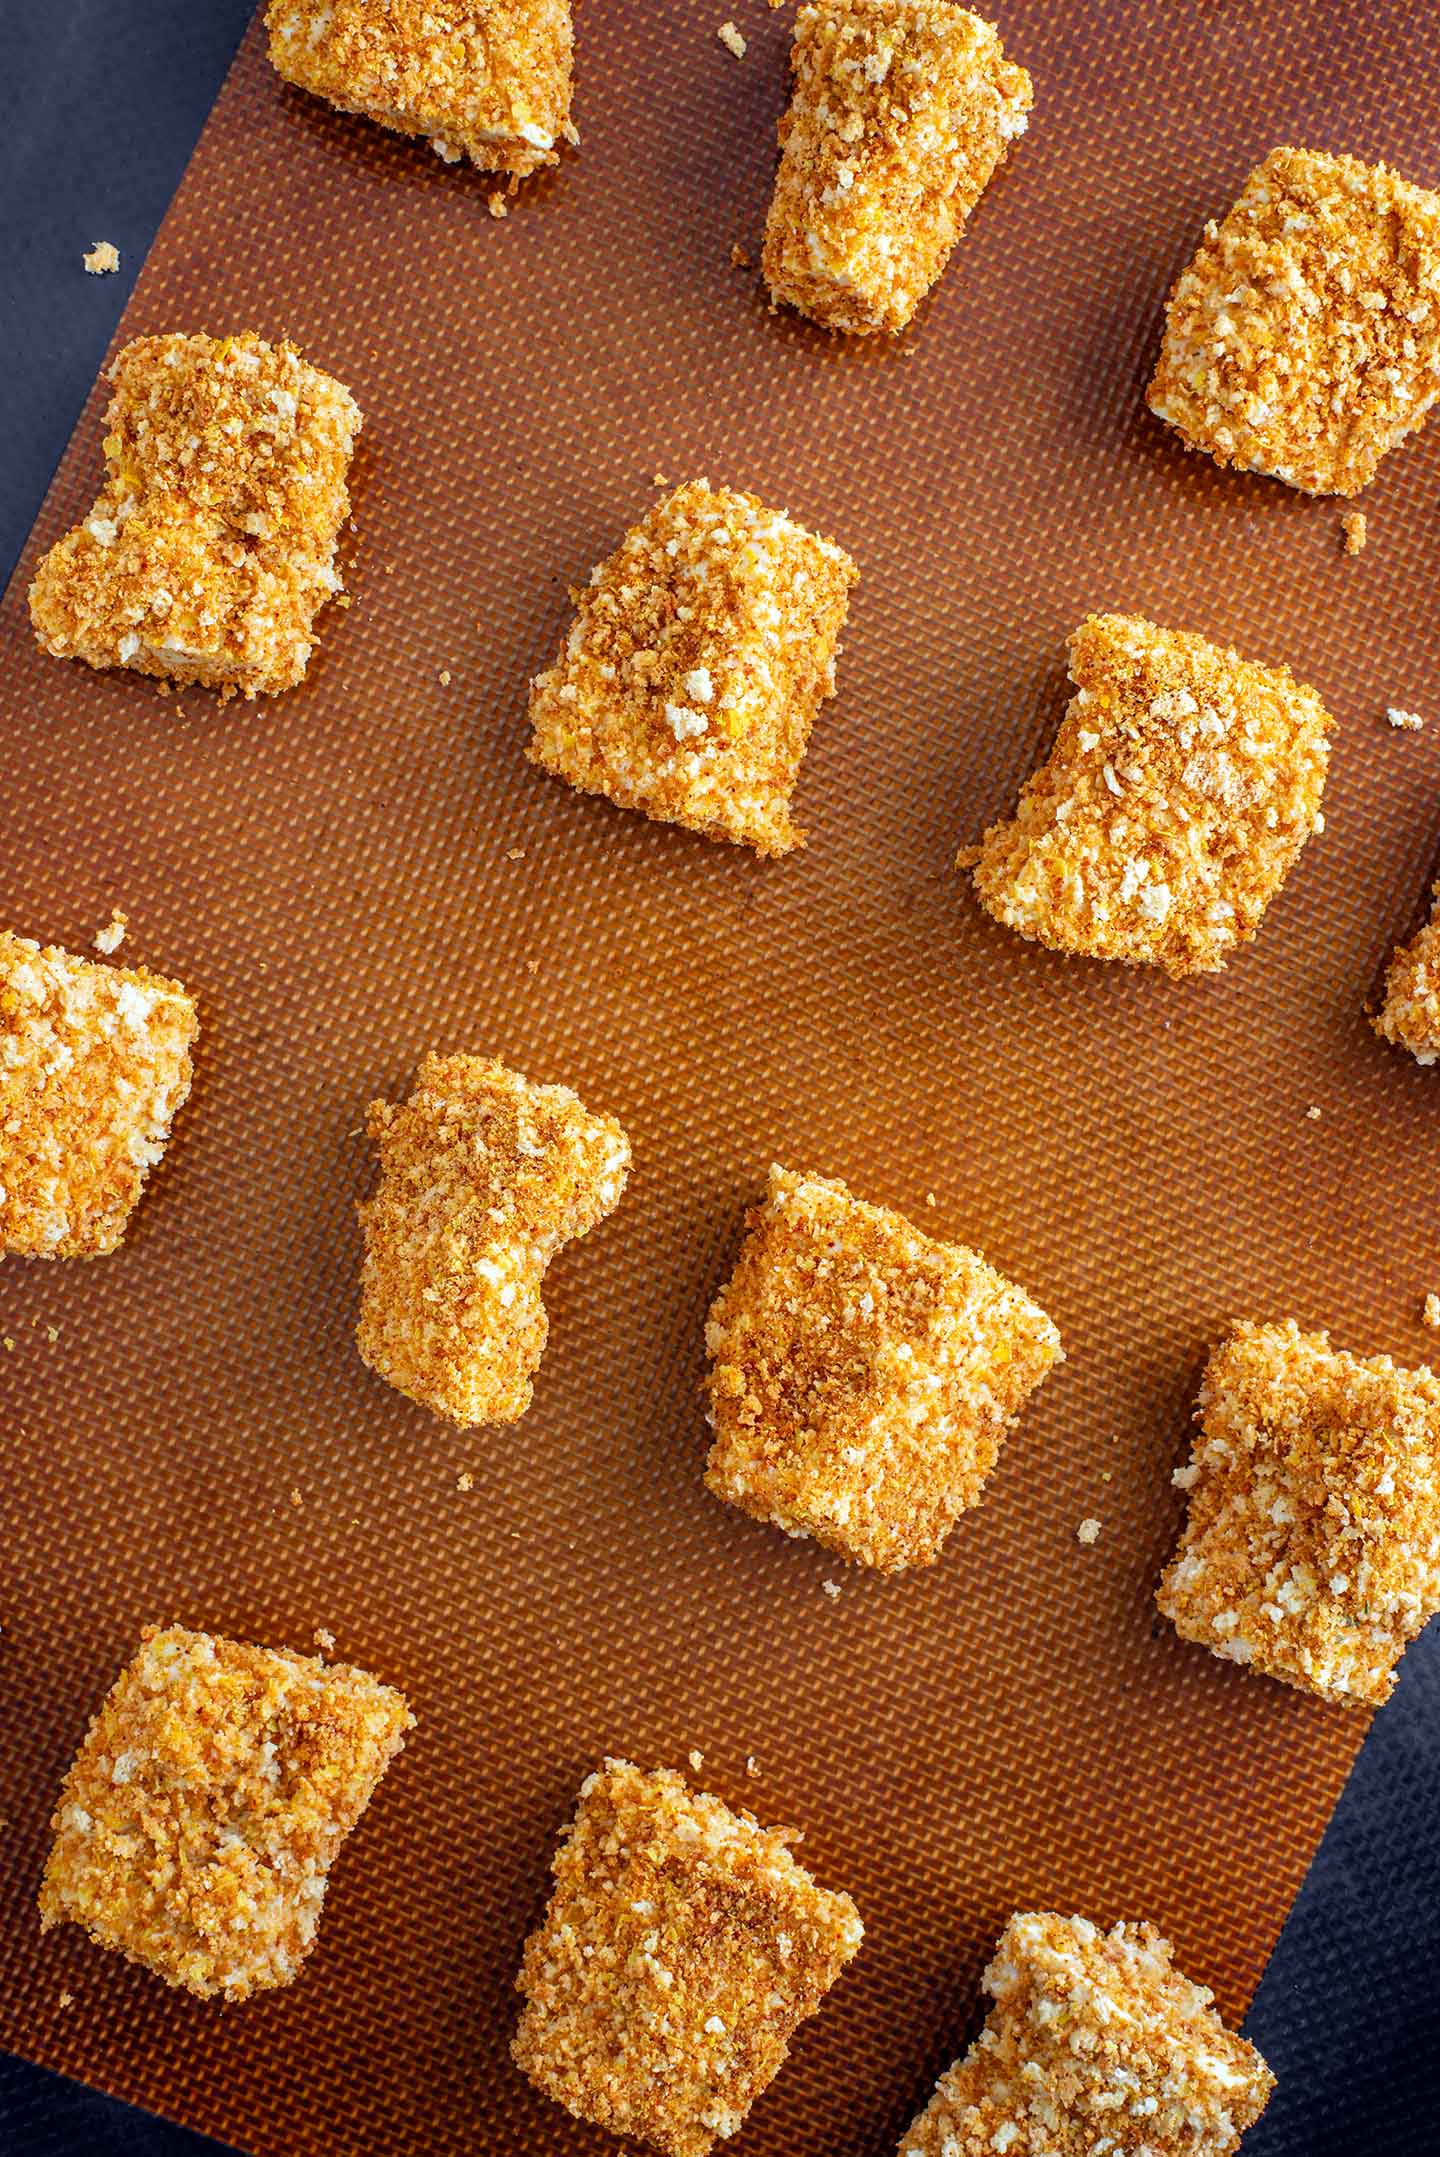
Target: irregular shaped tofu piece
(1183, 783)
(94, 1063)
(1312, 1547)
(1304, 338)
(483, 79)
(211, 547)
(483, 1176)
(682, 1947)
(862, 1376)
(198, 1825)
(899, 113)
(1410, 1014)
(1095, 2044)
(698, 658)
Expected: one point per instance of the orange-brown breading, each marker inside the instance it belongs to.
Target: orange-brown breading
(699, 656)
(94, 1064)
(1410, 1014)
(483, 79)
(198, 1825)
(1182, 785)
(899, 113)
(1304, 338)
(1096, 2046)
(483, 1176)
(862, 1376)
(681, 1948)
(1312, 1547)
(211, 547)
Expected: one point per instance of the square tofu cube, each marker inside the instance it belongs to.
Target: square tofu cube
(1095, 2043)
(198, 1825)
(1182, 785)
(862, 1376)
(211, 547)
(94, 1063)
(483, 1176)
(1304, 338)
(900, 112)
(699, 656)
(682, 1947)
(1410, 1014)
(1312, 1547)
(491, 82)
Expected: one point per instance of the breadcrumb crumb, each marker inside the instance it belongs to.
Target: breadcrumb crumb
(103, 257)
(1088, 1531)
(730, 37)
(1356, 530)
(112, 936)
(1406, 722)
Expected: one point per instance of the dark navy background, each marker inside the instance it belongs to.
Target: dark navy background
(106, 99)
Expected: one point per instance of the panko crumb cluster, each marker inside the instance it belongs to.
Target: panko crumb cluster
(700, 653)
(1410, 1014)
(1182, 785)
(491, 83)
(1096, 2046)
(1312, 1547)
(197, 1827)
(900, 112)
(483, 1176)
(862, 1375)
(211, 547)
(1304, 338)
(682, 1947)
(94, 1063)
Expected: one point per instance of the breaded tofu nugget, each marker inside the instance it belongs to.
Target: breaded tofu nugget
(94, 1064)
(1312, 1547)
(1095, 2044)
(1182, 785)
(1410, 1014)
(211, 547)
(899, 113)
(700, 653)
(483, 1176)
(489, 81)
(198, 1825)
(863, 1376)
(1304, 338)
(682, 1947)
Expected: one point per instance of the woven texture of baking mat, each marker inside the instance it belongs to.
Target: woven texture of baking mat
(367, 868)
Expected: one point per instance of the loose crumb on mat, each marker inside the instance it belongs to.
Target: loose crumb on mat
(103, 257)
(1353, 525)
(1088, 1531)
(1313, 1114)
(730, 37)
(112, 936)
(1405, 722)
(465, 1480)
(739, 260)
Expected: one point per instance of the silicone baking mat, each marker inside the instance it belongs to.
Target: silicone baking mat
(367, 868)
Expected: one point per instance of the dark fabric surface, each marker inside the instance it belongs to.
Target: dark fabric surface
(108, 96)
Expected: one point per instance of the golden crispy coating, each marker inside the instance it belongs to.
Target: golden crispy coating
(482, 1177)
(862, 1375)
(483, 79)
(1312, 1547)
(900, 112)
(1096, 2047)
(699, 656)
(1182, 785)
(1410, 1014)
(94, 1063)
(681, 1948)
(198, 1825)
(1304, 338)
(211, 547)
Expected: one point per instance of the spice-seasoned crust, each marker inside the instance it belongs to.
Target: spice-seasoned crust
(483, 1176)
(862, 1375)
(1410, 1014)
(1311, 1549)
(900, 111)
(1182, 785)
(211, 547)
(681, 1948)
(197, 1827)
(94, 1065)
(1303, 340)
(699, 656)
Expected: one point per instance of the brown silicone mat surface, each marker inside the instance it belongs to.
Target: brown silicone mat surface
(367, 867)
